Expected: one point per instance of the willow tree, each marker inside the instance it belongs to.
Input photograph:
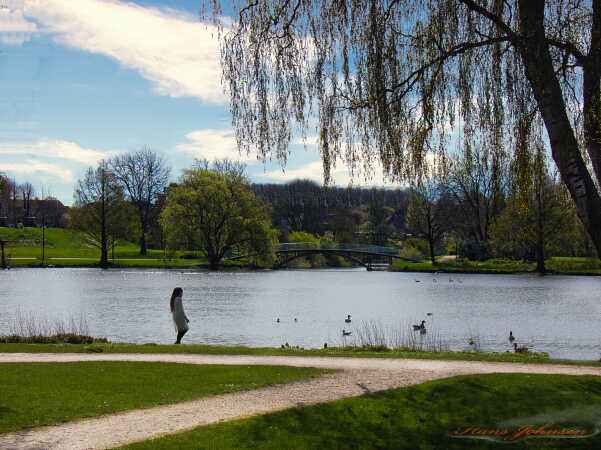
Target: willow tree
(217, 213)
(390, 81)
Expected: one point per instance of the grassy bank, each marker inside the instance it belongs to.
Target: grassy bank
(559, 265)
(35, 394)
(358, 352)
(424, 416)
(71, 248)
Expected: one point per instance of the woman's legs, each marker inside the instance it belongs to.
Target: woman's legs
(180, 335)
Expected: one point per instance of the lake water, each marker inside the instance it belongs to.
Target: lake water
(556, 314)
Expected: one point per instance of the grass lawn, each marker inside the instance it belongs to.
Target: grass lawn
(565, 265)
(419, 417)
(70, 248)
(34, 394)
(359, 352)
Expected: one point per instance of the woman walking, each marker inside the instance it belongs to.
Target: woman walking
(179, 316)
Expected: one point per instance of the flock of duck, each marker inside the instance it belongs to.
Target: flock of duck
(422, 330)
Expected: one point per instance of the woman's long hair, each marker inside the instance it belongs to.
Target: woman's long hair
(177, 292)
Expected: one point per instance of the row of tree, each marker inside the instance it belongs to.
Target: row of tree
(21, 204)
(478, 206)
(120, 198)
(211, 209)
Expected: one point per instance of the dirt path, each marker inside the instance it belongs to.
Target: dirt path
(358, 376)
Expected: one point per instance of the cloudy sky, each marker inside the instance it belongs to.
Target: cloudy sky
(81, 80)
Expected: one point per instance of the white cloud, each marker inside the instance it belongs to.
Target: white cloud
(173, 49)
(340, 176)
(213, 144)
(54, 148)
(14, 27)
(31, 166)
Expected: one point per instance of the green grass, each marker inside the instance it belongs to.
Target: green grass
(70, 248)
(564, 265)
(358, 352)
(417, 417)
(34, 394)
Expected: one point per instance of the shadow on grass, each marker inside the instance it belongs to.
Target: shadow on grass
(423, 416)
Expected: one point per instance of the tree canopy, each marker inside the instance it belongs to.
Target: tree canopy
(216, 213)
(393, 81)
(143, 177)
(97, 200)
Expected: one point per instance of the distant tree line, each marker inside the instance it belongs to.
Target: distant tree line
(22, 205)
(476, 205)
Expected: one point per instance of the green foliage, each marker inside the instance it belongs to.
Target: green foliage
(423, 416)
(414, 248)
(514, 232)
(301, 236)
(122, 223)
(217, 213)
(45, 393)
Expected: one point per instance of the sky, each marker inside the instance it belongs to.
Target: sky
(82, 80)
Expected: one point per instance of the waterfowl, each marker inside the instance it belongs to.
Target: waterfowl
(278, 320)
(428, 314)
(348, 318)
(295, 319)
(471, 341)
(520, 349)
(346, 333)
(511, 336)
(421, 326)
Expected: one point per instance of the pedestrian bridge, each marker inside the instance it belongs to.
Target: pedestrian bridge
(368, 256)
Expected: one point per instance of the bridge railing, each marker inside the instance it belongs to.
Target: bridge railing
(299, 246)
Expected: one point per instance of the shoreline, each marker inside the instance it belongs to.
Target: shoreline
(250, 268)
(114, 348)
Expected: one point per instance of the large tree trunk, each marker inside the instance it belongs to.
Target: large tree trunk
(547, 92)
(592, 94)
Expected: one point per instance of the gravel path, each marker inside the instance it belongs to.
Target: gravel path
(358, 376)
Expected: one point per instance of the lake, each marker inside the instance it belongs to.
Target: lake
(555, 314)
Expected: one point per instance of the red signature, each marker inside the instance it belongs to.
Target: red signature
(546, 430)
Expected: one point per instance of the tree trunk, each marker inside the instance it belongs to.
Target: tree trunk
(540, 241)
(431, 243)
(538, 64)
(592, 94)
(214, 262)
(104, 261)
(4, 265)
(143, 243)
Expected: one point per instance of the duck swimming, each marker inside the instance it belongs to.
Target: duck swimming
(346, 333)
(348, 319)
(511, 336)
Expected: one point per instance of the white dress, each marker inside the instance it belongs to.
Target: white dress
(179, 317)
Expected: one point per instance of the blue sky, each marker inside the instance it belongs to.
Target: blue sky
(81, 80)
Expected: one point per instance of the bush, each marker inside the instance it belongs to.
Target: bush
(474, 250)
(411, 253)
